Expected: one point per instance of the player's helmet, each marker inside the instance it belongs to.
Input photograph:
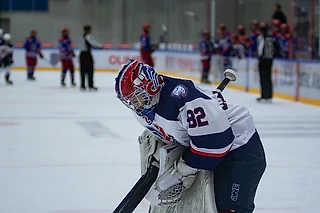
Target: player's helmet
(33, 33)
(241, 29)
(222, 26)
(284, 28)
(138, 86)
(7, 37)
(255, 23)
(205, 32)
(64, 30)
(146, 26)
(275, 23)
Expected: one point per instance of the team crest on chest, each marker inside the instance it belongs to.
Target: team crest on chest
(179, 91)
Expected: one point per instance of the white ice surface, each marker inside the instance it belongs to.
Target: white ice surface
(51, 163)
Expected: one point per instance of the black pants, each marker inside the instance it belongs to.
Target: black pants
(236, 180)
(86, 68)
(265, 69)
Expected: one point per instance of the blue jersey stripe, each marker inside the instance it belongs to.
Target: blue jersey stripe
(246, 148)
(201, 162)
(213, 141)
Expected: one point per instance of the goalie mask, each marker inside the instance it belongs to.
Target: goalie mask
(138, 86)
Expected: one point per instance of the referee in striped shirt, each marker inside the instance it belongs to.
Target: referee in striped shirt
(86, 60)
(267, 50)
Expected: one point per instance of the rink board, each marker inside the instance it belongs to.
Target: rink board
(296, 80)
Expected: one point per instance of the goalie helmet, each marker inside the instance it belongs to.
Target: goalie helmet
(138, 87)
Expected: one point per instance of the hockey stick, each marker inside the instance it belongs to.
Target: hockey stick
(142, 187)
(139, 190)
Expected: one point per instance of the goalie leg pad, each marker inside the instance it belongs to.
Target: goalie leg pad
(198, 198)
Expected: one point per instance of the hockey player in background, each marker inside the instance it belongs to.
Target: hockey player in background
(283, 40)
(275, 28)
(66, 55)
(225, 50)
(250, 46)
(238, 48)
(241, 33)
(206, 50)
(146, 49)
(223, 31)
(33, 49)
(6, 53)
(254, 31)
(216, 136)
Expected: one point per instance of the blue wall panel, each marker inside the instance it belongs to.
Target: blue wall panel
(24, 5)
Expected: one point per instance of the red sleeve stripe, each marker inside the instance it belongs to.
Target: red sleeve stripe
(217, 155)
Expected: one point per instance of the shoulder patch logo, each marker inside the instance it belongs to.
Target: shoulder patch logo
(179, 91)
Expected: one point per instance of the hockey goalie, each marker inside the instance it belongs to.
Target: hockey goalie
(209, 153)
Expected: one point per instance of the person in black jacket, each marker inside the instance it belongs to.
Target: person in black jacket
(86, 60)
(267, 50)
(278, 14)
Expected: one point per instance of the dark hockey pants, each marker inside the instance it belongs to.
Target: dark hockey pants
(236, 180)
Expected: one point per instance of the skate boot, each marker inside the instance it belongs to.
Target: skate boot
(8, 81)
(31, 78)
(93, 88)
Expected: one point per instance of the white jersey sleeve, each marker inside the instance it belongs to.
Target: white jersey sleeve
(209, 130)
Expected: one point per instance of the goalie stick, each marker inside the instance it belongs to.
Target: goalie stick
(143, 185)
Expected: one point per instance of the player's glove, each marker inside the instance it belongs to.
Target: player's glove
(170, 186)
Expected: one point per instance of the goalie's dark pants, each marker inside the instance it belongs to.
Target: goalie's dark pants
(236, 180)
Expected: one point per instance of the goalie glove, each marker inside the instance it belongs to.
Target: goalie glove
(149, 146)
(170, 186)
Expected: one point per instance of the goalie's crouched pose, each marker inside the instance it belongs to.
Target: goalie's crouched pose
(192, 132)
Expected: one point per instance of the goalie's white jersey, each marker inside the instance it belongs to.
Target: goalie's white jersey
(201, 120)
